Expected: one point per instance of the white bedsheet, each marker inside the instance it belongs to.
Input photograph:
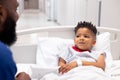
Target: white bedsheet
(24, 68)
(113, 72)
(79, 73)
(38, 72)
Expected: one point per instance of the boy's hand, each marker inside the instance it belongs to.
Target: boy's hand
(67, 67)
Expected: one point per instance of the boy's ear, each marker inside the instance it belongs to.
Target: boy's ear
(94, 42)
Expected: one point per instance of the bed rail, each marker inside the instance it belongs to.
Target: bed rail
(24, 50)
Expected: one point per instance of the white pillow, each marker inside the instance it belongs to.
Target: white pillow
(103, 44)
(47, 51)
(49, 48)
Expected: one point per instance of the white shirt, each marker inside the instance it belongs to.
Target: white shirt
(69, 55)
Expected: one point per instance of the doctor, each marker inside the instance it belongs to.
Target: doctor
(8, 18)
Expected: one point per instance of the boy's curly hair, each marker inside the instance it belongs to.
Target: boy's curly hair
(87, 25)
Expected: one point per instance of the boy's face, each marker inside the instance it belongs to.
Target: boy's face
(84, 39)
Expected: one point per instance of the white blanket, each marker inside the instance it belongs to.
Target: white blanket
(79, 73)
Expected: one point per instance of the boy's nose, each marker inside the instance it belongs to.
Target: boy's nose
(81, 38)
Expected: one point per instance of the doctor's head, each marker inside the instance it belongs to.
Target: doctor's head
(85, 35)
(8, 18)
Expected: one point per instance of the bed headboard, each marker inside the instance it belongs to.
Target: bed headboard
(26, 52)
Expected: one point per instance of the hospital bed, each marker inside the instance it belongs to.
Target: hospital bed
(25, 50)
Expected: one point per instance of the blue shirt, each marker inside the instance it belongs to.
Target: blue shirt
(8, 67)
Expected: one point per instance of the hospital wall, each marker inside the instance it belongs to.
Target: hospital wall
(110, 14)
(69, 12)
(21, 6)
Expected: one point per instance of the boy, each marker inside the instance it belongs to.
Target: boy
(81, 53)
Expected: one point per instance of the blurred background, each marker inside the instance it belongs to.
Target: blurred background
(42, 13)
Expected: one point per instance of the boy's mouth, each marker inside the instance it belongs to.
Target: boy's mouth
(81, 42)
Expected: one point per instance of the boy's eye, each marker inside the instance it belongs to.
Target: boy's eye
(77, 36)
(86, 36)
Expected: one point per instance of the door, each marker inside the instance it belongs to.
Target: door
(31, 4)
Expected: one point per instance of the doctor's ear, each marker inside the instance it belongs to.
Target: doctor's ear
(0, 10)
(2, 13)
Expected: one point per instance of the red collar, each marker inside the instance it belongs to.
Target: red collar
(79, 50)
